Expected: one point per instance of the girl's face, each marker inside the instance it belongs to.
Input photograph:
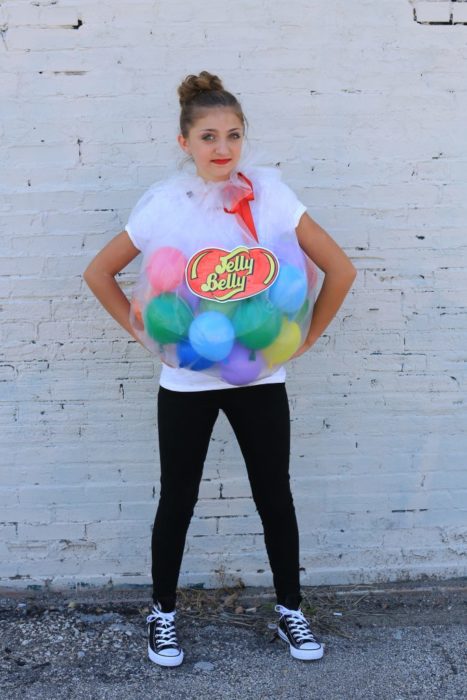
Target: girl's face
(215, 143)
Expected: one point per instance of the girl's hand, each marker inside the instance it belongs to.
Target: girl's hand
(302, 349)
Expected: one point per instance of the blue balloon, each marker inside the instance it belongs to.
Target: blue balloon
(289, 290)
(212, 335)
(188, 357)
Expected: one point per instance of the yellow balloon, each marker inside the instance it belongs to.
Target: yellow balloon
(287, 342)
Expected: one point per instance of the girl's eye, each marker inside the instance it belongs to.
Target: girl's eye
(210, 137)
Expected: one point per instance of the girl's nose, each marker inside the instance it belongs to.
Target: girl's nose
(222, 148)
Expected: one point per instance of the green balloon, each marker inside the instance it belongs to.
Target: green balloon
(257, 322)
(227, 308)
(301, 315)
(167, 318)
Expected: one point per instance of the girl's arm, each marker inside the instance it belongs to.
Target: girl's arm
(339, 274)
(100, 278)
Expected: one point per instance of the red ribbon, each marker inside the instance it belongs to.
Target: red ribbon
(240, 204)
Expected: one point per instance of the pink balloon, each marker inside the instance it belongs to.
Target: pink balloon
(311, 273)
(166, 269)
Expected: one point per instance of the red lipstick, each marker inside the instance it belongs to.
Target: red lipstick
(222, 161)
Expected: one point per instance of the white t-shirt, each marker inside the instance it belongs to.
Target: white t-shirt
(275, 206)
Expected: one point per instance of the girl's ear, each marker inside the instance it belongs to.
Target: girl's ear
(183, 143)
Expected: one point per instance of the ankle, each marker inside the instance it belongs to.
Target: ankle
(291, 602)
(166, 604)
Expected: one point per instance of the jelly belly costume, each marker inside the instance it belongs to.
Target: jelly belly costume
(224, 288)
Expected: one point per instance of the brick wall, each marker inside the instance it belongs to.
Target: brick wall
(363, 104)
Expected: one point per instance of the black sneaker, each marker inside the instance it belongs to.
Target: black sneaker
(294, 628)
(163, 646)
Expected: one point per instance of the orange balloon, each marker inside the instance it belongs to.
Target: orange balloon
(137, 313)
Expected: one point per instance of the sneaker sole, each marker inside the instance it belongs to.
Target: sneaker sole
(302, 654)
(165, 660)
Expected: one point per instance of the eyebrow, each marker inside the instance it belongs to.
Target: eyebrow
(236, 128)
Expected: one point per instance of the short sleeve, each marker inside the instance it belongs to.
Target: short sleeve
(291, 207)
(134, 239)
(300, 210)
(143, 218)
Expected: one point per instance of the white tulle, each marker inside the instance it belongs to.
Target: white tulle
(187, 212)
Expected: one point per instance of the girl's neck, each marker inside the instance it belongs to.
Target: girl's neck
(218, 180)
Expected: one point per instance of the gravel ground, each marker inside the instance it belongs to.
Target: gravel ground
(383, 643)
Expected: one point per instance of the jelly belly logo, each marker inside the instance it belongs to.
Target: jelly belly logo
(214, 273)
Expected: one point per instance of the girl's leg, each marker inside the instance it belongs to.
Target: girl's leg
(185, 422)
(260, 418)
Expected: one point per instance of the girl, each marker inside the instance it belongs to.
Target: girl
(212, 132)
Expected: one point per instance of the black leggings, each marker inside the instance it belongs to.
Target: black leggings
(259, 416)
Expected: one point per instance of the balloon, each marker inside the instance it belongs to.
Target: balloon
(137, 315)
(311, 273)
(242, 366)
(185, 293)
(257, 322)
(212, 335)
(167, 318)
(289, 290)
(166, 269)
(289, 253)
(227, 308)
(287, 342)
(302, 314)
(188, 357)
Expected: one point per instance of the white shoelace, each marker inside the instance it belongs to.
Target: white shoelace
(298, 624)
(165, 630)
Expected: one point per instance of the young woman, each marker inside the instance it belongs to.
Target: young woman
(212, 132)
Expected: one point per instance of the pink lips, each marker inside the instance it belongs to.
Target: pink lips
(222, 161)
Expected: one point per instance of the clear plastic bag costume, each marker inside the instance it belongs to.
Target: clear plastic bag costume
(219, 292)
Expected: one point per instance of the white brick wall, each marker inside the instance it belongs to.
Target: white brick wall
(363, 104)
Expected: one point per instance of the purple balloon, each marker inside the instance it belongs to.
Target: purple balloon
(289, 253)
(242, 366)
(185, 293)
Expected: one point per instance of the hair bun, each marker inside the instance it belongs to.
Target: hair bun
(193, 85)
